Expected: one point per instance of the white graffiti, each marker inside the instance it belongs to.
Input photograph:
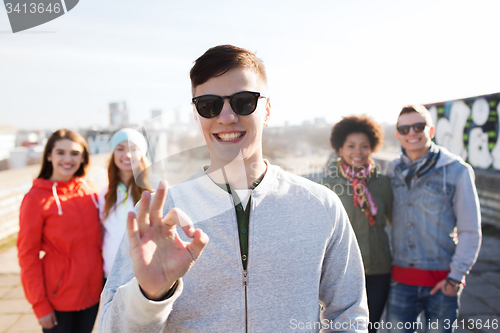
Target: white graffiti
(496, 150)
(480, 111)
(449, 133)
(479, 154)
(434, 114)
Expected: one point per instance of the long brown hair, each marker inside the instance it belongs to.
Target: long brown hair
(114, 180)
(47, 169)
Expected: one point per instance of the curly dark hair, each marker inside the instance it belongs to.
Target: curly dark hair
(357, 124)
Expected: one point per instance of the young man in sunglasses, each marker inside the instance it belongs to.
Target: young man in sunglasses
(436, 232)
(282, 254)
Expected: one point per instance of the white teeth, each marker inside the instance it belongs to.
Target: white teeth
(229, 136)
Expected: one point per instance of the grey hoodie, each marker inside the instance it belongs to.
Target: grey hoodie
(304, 267)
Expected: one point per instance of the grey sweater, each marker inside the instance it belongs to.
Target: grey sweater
(304, 269)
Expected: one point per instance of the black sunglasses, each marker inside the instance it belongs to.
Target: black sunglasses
(243, 103)
(405, 129)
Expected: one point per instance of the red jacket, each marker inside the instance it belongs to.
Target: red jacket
(62, 220)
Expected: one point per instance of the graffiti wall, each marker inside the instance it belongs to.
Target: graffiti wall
(470, 127)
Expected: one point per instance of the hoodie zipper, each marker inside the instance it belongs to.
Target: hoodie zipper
(245, 284)
(245, 271)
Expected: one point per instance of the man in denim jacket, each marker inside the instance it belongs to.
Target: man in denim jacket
(436, 232)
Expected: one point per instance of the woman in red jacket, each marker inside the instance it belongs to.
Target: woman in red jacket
(59, 218)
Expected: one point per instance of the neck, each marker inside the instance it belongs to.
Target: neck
(415, 155)
(60, 178)
(126, 177)
(355, 168)
(240, 174)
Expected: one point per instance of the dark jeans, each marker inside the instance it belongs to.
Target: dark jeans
(377, 289)
(75, 321)
(407, 302)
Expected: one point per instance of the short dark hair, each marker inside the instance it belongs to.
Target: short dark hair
(47, 169)
(220, 59)
(357, 124)
(410, 108)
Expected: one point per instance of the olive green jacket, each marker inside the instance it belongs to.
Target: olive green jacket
(373, 241)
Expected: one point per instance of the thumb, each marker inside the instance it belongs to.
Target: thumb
(436, 288)
(198, 243)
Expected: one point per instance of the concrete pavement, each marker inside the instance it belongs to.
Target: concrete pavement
(15, 312)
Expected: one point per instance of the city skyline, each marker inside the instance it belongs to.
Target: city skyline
(324, 59)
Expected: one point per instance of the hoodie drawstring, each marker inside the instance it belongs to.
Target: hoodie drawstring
(56, 198)
(92, 192)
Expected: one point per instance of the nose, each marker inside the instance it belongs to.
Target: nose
(411, 130)
(67, 157)
(128, 154)
(227, 115)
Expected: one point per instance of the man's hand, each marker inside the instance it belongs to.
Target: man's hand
(445, 287)
(159, 256)
(48, 321)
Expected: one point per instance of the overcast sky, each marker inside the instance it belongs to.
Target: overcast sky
(324, 58)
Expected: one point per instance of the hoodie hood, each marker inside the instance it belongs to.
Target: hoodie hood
(59, 187)
(447, 158)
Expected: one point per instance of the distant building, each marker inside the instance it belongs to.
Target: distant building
(118, 115)
(156, 121)
(7, 143)
(98, 141)
(320, 122)
(156, 113)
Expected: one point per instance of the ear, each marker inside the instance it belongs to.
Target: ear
(340, 153)
(432, 131)
(267, 114)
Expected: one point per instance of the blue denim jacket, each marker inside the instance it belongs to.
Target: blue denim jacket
(436, 223)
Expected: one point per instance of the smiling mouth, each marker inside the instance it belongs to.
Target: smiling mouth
(229, 136)
(413, 141)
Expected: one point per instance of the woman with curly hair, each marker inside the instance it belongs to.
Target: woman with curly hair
(367, 197)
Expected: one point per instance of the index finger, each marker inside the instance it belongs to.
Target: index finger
(156, 208)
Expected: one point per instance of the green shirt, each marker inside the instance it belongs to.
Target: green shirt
(243, 219)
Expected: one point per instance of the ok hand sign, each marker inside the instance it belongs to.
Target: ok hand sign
(159, 256)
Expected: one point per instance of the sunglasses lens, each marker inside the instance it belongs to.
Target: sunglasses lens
(209, 106)
(403, 130)
(419, 127)
(244, 103)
